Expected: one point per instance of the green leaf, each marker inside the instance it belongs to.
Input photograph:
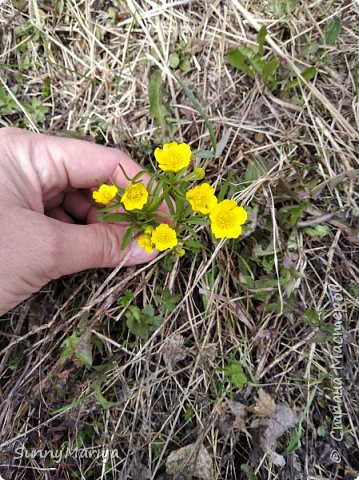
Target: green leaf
(225, 187)
(141, 323)
(77, 346)
(139, 175)
(268, 264)
(253, 171)
(296, 213)
(354, 290)
(194, 245)
(222, 144)
(168, 262)
(259, 251)
(264, 288)
(248, 471)
(167, 300)
(236, 58)
(83, 350)
(332, 31)
(158, 110)
(282, 7)
(16, 357)
(162, 214)
(188, 414)
(8, 105)
(112, 13)
(295, 442)
(137, 327)
(202, 154)
(234, 372)
(174, 60)
(117, 217)
(170, 207)
(306, 75)
(309, 73)
(248, 51)
(36, 109)
(199, 109)
(197, 220)
(291, 214)
(105, 404)
(155, 195)
(258, 64)
(152, 321)
(127, 238)
(126, 298)
(270, 68)
(185, 65)
(135, 312)
(124, 173)
(46, 88)
(261, 40)
(71, 405)
(311, 317)
(26, 28)
(318, 231)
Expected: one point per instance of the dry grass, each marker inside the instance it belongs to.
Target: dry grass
(237, 304)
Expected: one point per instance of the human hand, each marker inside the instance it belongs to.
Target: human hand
(43, 182)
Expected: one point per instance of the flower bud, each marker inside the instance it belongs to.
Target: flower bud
(180, 252)
(199, 172)
(148, 230)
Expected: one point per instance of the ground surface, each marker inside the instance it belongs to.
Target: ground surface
(255, 364)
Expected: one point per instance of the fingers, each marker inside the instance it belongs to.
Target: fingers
(94, 246)
(63, 162)
(79, 206)
(76, 204)
(59, 214)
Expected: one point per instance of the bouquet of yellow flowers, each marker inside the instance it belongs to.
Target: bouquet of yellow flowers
(167, 197)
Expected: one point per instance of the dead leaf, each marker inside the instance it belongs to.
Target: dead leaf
(265, 405)
(283, 419)
(240, 412)
(192, 460)
(290, 260)
(208, 354)
(231, 415)
(174, 350)
(259, 137)
(138, 470)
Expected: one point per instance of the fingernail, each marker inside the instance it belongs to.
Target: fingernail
(139, 255)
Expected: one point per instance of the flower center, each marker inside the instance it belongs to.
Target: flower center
(173, 161)
(134, 194)
(225, 221)
(201, 199)
(164, 238)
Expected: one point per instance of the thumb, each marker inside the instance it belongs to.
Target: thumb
(96, 246)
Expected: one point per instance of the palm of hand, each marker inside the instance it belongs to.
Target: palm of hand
(43, 185)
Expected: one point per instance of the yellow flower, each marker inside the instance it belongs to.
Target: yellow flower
(199, 172)
(226, 219)
(173, 157)
(104, 194)
(135, 196)
(164, 237)
(202, 198)
(145, 242)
